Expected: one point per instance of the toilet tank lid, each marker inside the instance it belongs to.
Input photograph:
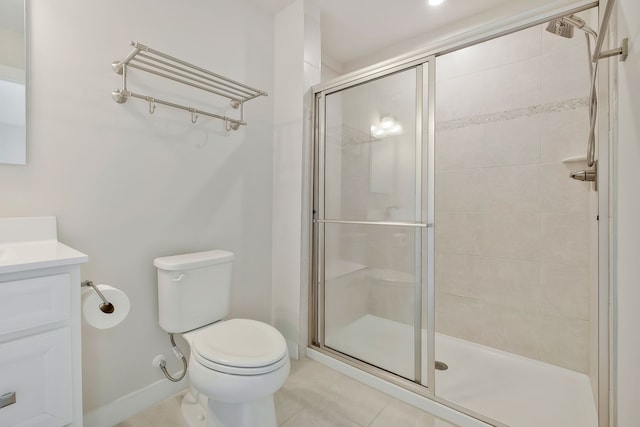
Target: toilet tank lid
(193, 260)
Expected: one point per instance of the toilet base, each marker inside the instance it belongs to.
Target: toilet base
(198, 413)
(194, 408)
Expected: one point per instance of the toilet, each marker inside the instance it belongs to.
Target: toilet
(237, 364)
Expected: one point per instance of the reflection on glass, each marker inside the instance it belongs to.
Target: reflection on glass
(12, 82)
(370, 150)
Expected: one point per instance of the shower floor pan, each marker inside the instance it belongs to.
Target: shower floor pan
(509, 388)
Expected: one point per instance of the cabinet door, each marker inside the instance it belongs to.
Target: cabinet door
(33, 302)
(38, 371)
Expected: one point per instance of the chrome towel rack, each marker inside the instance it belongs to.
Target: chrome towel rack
(151, 61)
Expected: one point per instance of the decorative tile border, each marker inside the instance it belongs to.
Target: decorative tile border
(480, 119)
(345, 135)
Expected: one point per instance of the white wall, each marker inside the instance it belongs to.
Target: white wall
(297, 68)
(287, 178)
(626, 176)
(127, 186)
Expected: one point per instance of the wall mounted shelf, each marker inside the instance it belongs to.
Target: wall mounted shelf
(151, 61)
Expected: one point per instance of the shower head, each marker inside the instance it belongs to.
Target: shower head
(560, 28)
(564, 26)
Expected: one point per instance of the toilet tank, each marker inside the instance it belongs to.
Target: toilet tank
(193, 289)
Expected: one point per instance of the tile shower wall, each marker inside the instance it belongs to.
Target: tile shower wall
(512, 235)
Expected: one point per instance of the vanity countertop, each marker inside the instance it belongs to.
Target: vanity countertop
(21, 256)
(32, 243)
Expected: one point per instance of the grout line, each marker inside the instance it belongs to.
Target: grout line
(296, 413)
(381, 410)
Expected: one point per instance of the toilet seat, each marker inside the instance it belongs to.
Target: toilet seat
(240, 347)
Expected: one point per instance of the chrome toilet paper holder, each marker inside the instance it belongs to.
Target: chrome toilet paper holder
(106, 306)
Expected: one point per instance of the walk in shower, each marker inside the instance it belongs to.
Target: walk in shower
(453, 255)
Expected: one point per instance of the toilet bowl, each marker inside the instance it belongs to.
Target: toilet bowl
(237, 364)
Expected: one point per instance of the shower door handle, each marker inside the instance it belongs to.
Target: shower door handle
(390, 223)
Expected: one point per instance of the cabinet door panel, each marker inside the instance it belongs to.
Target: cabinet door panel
(33, 302)
(38, 371)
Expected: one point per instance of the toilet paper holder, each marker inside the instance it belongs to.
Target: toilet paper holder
(106, 306)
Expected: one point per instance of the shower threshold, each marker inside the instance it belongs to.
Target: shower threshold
(512, 389)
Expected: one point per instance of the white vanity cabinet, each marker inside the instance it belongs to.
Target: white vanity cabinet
(40, 351)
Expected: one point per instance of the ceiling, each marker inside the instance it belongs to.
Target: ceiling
(355, 29)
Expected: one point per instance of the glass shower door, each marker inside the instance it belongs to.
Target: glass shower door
(370, 227)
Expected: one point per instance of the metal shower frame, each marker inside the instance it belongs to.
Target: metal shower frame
(316, 301)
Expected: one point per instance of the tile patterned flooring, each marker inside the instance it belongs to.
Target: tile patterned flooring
(313, 396)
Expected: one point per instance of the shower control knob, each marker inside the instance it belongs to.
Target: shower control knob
(584, 175)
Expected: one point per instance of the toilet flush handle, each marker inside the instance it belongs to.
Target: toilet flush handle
(179, 278)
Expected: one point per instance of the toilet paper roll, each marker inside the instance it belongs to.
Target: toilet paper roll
(91, 306)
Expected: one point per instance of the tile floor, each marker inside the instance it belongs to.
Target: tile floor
(313, 396)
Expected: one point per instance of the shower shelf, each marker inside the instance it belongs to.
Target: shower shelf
(154, 62)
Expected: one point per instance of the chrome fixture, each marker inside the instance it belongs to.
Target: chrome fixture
(584, 175)
(563, 27)
(622, 51)
(560, 28)
(154, 62)
(162, 363)
(106, 307)
(389, 223)
(580, 24)
(587, 175)
(441, 366)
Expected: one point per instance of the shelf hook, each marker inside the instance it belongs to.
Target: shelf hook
(194, 116)
(231, 124)
(152, 105)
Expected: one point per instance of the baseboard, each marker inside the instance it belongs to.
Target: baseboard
(127, 406)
